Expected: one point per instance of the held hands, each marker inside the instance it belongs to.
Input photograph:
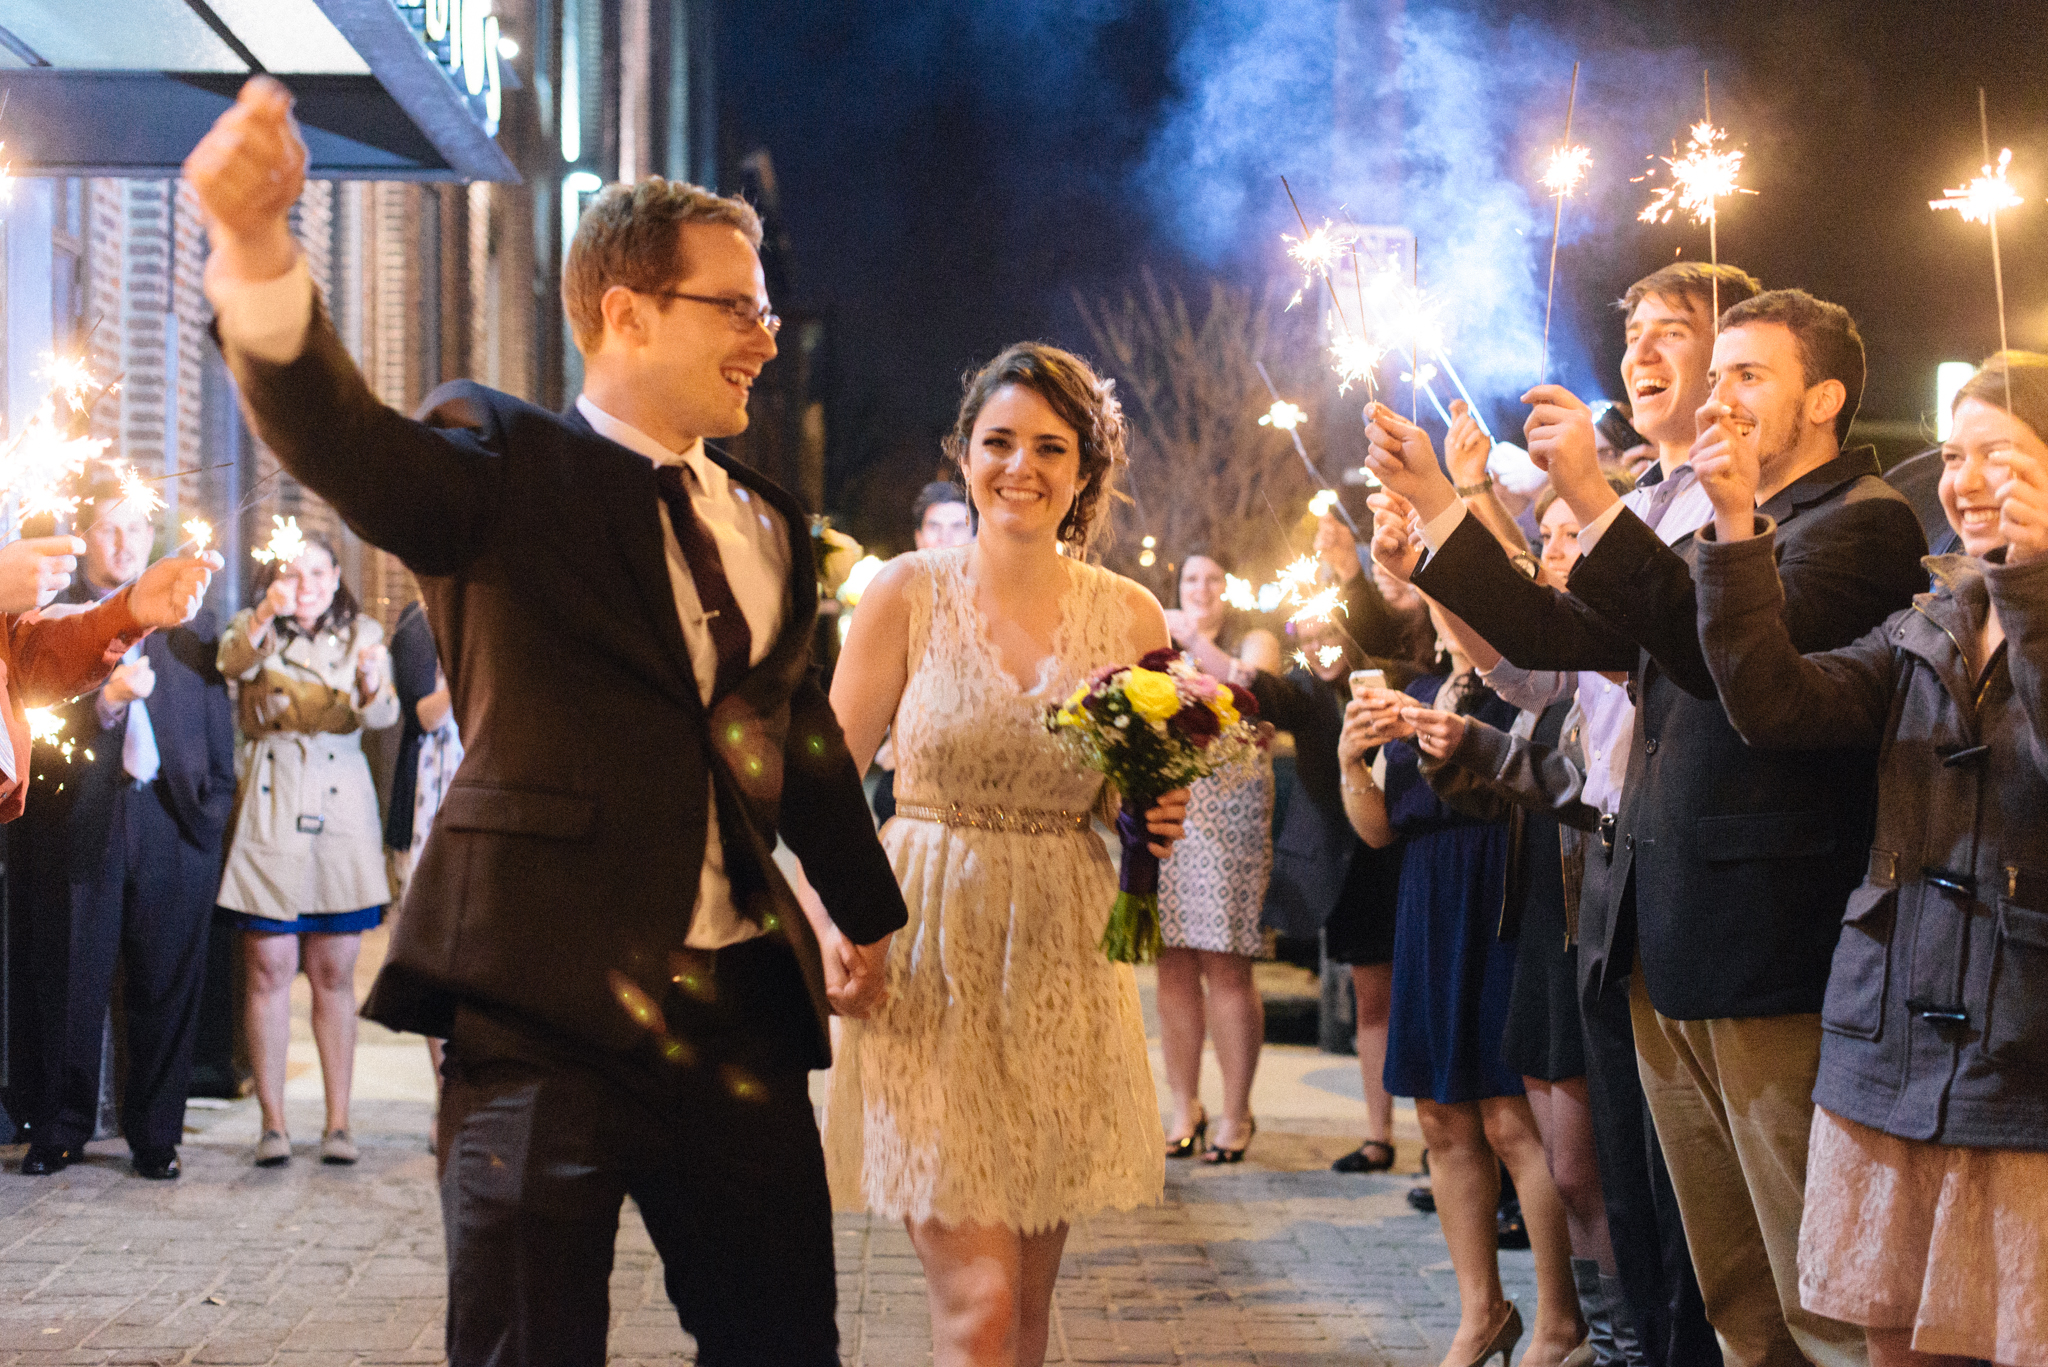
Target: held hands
(36, 570)
(1437, 733)
(1466, 447)
(1725, 459)
(248, 171)
(168, 593)
(855, 975)
(1396, 536)
(129, 683)
(2023, 507)
(1559, 430)
(1403, 459)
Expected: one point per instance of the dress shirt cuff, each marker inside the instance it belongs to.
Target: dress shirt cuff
(1532, 690)
(268, 319)
(1438, 529)
(1591, 533)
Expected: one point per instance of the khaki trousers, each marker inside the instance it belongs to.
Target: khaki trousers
(1733, 1105)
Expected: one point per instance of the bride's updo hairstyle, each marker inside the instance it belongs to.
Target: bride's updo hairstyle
(1084, 401)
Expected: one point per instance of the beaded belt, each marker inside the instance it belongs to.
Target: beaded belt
(1018, 820)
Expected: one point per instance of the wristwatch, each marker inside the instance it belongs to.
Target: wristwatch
(1471, 490)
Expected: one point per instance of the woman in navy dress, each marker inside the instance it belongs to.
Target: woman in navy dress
(1453, 976)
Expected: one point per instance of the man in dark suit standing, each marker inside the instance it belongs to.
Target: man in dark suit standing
(120, 854)
(1732, 866)
(630, 993)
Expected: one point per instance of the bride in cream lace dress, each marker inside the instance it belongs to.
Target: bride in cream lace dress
(1002, 1087)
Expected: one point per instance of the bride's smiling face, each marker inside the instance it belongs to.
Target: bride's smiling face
(1023, 464)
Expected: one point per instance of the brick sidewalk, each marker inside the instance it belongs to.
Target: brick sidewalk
(1275, 1262)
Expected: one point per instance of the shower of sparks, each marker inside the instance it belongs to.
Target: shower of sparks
(1568, 166)
(1283, 415)
(46, 726)
(1300, 659)
(1317, 253)
(1699, 180)
(139, 492)
(1354, 359)
(287, 543)
(200, 532)
(1329, 655)
(1240, 594)
(1983, 196)
(1320, 606)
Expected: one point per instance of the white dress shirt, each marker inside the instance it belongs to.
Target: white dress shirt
(269, 321)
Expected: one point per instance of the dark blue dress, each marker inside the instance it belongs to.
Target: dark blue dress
(1452, 973)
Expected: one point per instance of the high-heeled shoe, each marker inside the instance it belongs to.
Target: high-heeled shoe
(1504, 1339)
(1216, 1153)
(1188, 1147)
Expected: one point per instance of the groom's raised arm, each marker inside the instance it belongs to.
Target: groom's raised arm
(424, 491)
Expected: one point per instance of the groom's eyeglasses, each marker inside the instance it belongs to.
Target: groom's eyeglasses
(741, 313)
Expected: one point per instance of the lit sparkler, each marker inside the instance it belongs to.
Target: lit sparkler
(1239, 594)
(1700, 180)
(199, 533)
(1320, 606)
(1979, 202)
(1300, 658)
(138, 492)
(46, 726)
(1317, 253)
(1329, 655)
(287, 543)
(1568, 166)
(1283, 415)
(1354, 359)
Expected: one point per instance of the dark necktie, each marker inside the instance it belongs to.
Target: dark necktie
(730, 635)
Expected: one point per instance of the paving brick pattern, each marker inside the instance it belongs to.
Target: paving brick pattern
(1277, 1261)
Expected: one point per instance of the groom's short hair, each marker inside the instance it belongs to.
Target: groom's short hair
(629, 236)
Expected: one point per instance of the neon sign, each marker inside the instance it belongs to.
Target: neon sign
(462, 35)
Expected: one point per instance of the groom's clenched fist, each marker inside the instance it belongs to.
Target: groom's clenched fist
(248, 171)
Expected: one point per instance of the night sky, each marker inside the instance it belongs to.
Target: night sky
(952, 173)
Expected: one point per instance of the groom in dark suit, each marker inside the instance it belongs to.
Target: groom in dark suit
(631, 995)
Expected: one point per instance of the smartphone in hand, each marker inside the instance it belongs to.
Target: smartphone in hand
(1362, 679)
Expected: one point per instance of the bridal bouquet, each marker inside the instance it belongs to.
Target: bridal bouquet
(1150, 728)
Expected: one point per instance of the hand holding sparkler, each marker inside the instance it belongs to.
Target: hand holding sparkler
(2023, 506)
(1396, 543)
(1559, 431)
(129, 683)
(35, 570)
(1466, 447)
(169, 592)
(370, 669)
(1725, 459)
(1405, 461)
(248, 172)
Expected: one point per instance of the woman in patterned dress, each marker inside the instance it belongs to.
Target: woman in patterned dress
(1210, 895)
(1002, 1087)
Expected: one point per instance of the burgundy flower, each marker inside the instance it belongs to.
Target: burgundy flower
(1158, 659)
(1247, 705)
(1198, 724)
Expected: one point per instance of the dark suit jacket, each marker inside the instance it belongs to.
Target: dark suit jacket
(1740, 860)
(560, 876)
(65, 829)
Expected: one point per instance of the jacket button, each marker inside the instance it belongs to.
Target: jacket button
(1628, 842)
(1651, 748)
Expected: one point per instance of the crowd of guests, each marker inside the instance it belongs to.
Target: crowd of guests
(215, 784)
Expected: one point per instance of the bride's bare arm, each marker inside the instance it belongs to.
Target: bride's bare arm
(868, 681)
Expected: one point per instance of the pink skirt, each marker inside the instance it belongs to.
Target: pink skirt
(1950, 1243)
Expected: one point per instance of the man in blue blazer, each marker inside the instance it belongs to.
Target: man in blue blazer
(630, 993)
(119, 853)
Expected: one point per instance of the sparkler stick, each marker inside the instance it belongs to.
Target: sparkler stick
(1464, 393)
(1315, 475)
(1315, 260)
(1699, 179)
(1979, 202)
(1567, 165)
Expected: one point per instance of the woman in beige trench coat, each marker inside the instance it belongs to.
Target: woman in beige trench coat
(305, 870)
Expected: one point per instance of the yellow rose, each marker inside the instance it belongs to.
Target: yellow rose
(1152, 694)
(1224, 707)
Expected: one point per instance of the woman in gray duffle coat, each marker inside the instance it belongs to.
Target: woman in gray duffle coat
(305, 870)
(1926, 1217)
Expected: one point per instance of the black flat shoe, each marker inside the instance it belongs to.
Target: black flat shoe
(1188, 1147)
(43, 1159)
(1509, 1226)
(1216, 1153)
(158, 1165)
(1371, 1156)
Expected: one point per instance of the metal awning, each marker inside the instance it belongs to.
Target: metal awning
(387, 89)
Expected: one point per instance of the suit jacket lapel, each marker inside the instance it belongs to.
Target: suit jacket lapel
(800, 594)
(631, 498)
